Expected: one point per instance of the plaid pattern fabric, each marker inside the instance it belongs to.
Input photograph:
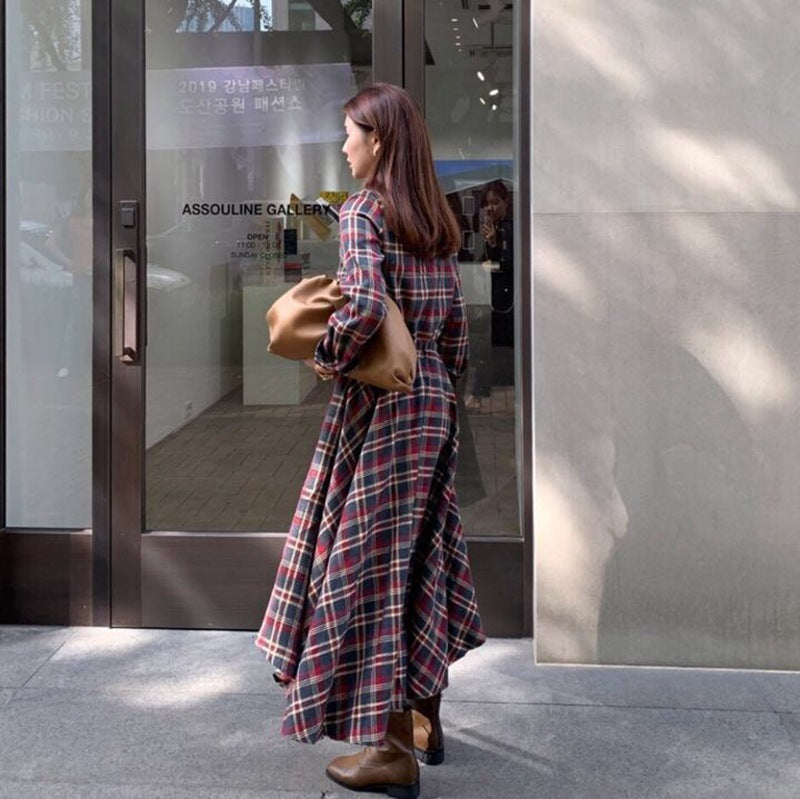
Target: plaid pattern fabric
(374, 598)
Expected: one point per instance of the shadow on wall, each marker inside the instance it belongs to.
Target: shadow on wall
(667, 348)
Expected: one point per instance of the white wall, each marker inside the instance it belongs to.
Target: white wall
(667, 236)
(194, 347)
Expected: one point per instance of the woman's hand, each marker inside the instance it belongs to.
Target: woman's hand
(489, 233)
(325, 374)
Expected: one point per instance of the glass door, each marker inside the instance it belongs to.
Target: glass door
(476, 99)
(221, 199)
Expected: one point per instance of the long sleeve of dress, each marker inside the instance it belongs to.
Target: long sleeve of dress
(454, 341)
(361, 280)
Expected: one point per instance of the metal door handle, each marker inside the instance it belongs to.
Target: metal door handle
(126, 307)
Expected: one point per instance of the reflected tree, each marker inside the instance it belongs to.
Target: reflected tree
(55, 36)
(209, 15)
(52, 33)
(358, 11)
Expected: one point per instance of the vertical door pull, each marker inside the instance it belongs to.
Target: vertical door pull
(126, 305)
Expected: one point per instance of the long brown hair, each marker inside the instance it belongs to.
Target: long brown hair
(403, 176)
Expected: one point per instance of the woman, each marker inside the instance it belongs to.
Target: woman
(497, 229)
(373, 598)
(496, 226)
(494, 326)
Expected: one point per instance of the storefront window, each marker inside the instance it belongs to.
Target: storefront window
(471, 107)
(48, 240)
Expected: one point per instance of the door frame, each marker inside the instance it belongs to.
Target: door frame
(125, 470)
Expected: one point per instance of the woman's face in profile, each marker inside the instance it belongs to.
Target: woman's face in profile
(360, 148)
(496, 207)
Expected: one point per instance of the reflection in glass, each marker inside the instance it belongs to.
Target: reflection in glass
(470, 108)
(244, 136)
(48, 239)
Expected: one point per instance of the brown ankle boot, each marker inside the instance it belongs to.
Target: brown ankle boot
(390, 768)
(428, 734)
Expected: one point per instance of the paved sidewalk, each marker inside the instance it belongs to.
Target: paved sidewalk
(90, 713)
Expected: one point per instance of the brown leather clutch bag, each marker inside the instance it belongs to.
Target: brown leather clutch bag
(298, 319)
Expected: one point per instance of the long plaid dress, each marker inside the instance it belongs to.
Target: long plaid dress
(374, 598)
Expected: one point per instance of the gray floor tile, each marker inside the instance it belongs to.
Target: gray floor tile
(163, 713)
(184, 660)
(16, 789)
(782, 690)
(791, 723)
(719, 690)
(102, 744)
(500, 671)
(594, 752)
(140, 738)
(505, 672)
(646, 687)
(23, 650)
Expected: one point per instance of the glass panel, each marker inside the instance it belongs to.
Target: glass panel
(244, 136)
(48, 235)
(471, 107)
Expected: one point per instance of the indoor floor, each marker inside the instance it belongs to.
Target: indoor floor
(240, 467)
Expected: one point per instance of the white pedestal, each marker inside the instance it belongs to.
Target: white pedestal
(268, 379)
(476, 282)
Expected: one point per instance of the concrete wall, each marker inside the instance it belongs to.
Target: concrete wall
(667, 334)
